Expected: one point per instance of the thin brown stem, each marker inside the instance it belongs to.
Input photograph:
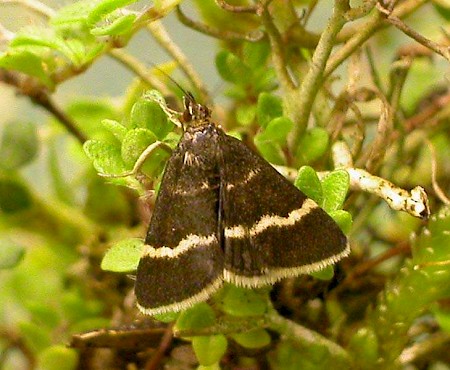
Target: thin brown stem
(238, 8)
(155, 362)
(41, 97)
(364, 267)
(355, 37)
(218, 34)
(397, 22)
(134, 65)
(160, 34)
(428, 113)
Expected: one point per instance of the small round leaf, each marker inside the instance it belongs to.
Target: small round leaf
(308, 182)
(209, 349)
(123, 256)
(238, 301)
(253, 339)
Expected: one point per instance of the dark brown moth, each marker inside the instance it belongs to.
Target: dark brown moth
(224, 214)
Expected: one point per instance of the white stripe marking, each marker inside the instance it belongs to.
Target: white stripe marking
(267, 221)
(272, 275)
(252, 173)
(201, 296)
(191, 241)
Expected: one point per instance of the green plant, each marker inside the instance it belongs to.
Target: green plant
(343, 101)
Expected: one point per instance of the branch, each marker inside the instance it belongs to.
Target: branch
(253, 36)
(305, 337)
(134, 65)
(415, 202)
(315, 76)
(160, 34)
(255, 9)
(39, 96)
(356, 37)
(35, 6)
(439, 49)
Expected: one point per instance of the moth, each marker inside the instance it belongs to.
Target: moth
(224, 214)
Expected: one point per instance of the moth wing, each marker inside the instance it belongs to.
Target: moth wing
(271, 229)
(182, 263)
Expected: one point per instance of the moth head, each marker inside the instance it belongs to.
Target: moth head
(194, 113)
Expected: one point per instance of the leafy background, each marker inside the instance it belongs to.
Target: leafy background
(76, 74)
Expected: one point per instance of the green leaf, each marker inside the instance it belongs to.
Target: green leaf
(10, 254)
(106, 157)
(107, 204)
(265, 79)
(58, 357)
(245, 114)
(276, 131)
(288, 357)
(75, 14)
(364, 346)
(117, 129)
(238, 301)
(442, 317)
(343, 219)
(199, 316)
(105, 7)
(35, 36)
(14, 196)
(120, 26)
(443, 8)
(308, 182)
(28, 63)
(313, 145)
(335, 187)
(36, 337)
(89, 115)
(167, 317)
(209, 349)
(123, 256)
(271, 140)
(270, 151)
(61, 187)
(252, 339)
(232, 69)
(44, 314)
(19, 144)
(326, 273)
(77, 307)
(134, 143)
(148, 114)
(269, 107)
(255, 54)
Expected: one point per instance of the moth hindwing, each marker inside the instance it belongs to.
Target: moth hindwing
(225, 214)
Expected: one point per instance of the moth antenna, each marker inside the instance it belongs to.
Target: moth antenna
(185, 92)
(189, 98)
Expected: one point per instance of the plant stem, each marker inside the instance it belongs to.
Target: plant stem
(305, 337)
(160, 34)
(133, 64)
(278, 56)
(355, 38)
(299, 104)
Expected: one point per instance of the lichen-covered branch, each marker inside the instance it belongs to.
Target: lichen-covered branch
(414, 202)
